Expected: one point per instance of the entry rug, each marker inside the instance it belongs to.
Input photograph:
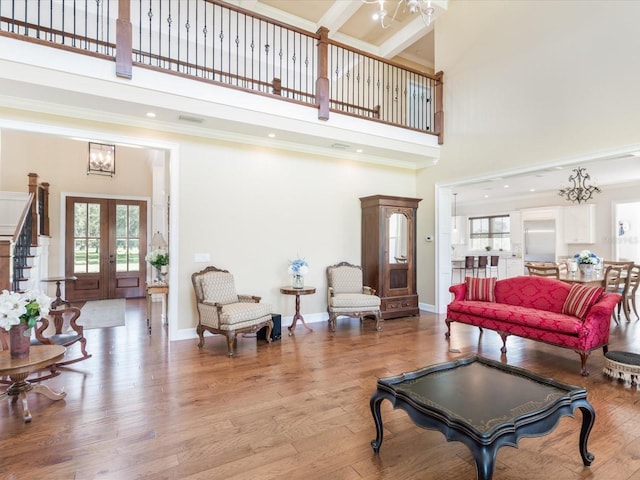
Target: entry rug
(103, 313)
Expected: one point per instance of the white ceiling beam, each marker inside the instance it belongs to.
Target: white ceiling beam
(338, 14)
(409, 35)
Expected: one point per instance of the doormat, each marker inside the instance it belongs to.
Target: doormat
(103, 313)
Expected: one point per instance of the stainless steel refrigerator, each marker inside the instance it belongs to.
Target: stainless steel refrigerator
(539, 240)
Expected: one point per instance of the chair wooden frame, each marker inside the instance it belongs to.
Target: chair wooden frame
(59, 337)
(543, 270)
(360, 312)
(630, 290)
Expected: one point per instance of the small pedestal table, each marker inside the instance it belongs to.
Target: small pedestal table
(297, 292)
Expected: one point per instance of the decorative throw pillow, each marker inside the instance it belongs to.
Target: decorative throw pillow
(580, 300)
(480, 289)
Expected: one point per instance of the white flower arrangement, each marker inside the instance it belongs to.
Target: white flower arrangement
(158, 258)
(299, 266)
(586, 257)
(22, 307)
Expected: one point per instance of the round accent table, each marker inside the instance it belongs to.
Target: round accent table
(297, 292)
(40, 356)
(623, 366)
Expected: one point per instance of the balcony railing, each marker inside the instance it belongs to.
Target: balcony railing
(227, 45)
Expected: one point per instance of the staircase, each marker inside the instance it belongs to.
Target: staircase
(23, 243)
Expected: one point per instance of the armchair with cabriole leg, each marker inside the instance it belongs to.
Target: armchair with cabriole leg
(347, 296)
(222, 311)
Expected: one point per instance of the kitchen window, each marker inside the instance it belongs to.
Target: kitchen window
(492, 232)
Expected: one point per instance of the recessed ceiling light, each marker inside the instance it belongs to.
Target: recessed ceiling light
(272, 135)
(506, 186)
(486, 196)
(532, 189)
(359, 150)
(151, 115)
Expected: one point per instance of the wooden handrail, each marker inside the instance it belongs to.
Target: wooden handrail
(23, 217)
(428, 119)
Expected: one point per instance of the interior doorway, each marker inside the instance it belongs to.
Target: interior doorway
(105, 248)
(627, 231)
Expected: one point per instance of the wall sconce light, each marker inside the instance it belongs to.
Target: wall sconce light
(102, 159)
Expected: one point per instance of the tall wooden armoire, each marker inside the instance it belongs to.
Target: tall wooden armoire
(389, 252)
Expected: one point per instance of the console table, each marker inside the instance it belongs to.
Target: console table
(297, 292)
(483, 404)
(40, 356)
(156, 289)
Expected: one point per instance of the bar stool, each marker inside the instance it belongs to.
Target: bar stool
(493, 263)
(482, 264)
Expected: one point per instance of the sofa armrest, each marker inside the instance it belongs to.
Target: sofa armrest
(459, 291)
(603, 307)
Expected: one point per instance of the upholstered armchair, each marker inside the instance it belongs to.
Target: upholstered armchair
(347, 296)
(222, 311)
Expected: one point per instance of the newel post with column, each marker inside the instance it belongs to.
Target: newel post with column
(439, 111)
(322, 80)
(124, 52)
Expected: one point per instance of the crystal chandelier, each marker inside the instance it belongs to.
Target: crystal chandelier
(579, 191)
(423, 7)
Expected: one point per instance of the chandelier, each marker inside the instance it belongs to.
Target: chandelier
(423, 7)
(580, 191)
(102, 159)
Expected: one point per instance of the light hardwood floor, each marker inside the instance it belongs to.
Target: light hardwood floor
(141, 408)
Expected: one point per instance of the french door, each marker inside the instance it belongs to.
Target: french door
(105, 248)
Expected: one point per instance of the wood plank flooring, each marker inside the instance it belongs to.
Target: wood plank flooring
(143, 408)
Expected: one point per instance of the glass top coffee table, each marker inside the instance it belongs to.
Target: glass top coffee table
(484, 404)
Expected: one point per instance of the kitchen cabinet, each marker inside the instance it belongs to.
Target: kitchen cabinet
(389, 252)
(580, 224)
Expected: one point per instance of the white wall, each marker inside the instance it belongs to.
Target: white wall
(254, 209)
(527, 83)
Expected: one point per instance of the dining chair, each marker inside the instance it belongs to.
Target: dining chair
(625, 267)
(613, 276)
(630, 290)
(543, 270)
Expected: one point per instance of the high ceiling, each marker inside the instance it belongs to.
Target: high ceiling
(408, 40)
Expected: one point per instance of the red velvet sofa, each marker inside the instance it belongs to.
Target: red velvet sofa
(531, 307)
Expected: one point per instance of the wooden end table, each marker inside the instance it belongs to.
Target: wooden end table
(40, 356)
(58, 302)
(484, 404)
(297, 292)
(153, 289)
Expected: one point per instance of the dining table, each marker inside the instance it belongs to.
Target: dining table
(596, 279)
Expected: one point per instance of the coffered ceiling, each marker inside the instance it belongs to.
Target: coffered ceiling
(408, 40)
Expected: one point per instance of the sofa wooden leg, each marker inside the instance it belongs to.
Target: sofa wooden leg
(583, 362)
(503, 336)
(447, 334)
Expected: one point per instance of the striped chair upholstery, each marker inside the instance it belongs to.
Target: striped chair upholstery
(222, 311)
(347, 296)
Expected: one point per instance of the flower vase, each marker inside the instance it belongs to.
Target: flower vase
(158, 275)
(297, 281)
(19, 340)
(586, 269)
